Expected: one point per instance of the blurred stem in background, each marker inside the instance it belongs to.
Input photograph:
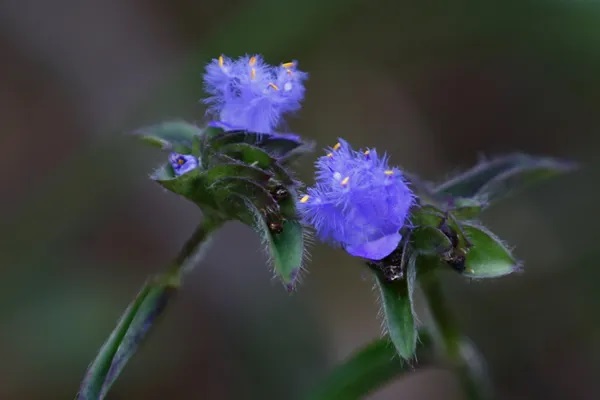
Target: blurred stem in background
(378, 363)
(460, 353)
(138, 318)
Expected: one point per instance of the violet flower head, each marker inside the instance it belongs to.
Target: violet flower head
(182, 163)
(358, 202)
(248, 94)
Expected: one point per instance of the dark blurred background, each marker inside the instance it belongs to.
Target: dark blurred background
(437, 84)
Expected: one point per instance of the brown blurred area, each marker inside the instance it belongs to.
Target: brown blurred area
(437, 85)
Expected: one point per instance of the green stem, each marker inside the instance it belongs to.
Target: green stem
(140, 316)
(461, 354)
(192, 250)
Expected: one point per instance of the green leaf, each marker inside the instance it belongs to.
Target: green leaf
(141, 315)
(398, 310)
(176, 136)
(287, 251)
(277, 146)
(292, 155)
(280, 146)
(258, 157)
(467, 208)
(430, 216)
(125, 339)
(504, 174)
(488, 256)
(212, 190)
(518, 178)
(233, 196)
(428, 240)
(226, 138)
(237, 170)
(369, 369)
(426, 215)
(191, 185)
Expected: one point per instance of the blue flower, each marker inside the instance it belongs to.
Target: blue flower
(358, 202)
(182, 163)
(248, 94)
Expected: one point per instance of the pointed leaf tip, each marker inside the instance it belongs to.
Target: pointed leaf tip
(176, 136)
(488, 256)
(398, 310)
(287, 250)
(502, 176)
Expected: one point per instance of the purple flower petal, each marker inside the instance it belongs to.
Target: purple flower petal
(182, 163)
(377, 249)
(251, 95)
(358, 202)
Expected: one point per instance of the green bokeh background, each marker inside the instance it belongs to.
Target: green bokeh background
(436, 84)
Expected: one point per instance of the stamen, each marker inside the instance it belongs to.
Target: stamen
(253, 73)
(221, 61)
(388, 172)
(337, 146)
(330, 155)
(345, 181)
(288, 65)
(180, 161)
(366, 153)
(274, 86)
(252, 61)
(304, 199)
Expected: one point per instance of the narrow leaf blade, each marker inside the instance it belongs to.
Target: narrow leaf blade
(398, 311)
(369, 369)
(521, 177)
(131, 329)
(176, 136)
(474, 181)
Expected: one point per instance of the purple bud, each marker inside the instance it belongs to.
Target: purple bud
(358, 202)
(182, 163)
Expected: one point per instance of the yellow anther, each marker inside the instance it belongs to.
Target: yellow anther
(253, 73)
(304, 199)
(221, 61)
(288, 65)
(274, 86)
(337, 146)
(388, 172)
(330, 155)
(252, 61)
(345, 181)
(366, 153)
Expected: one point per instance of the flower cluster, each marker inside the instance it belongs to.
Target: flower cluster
(358, 202)
(249, 94)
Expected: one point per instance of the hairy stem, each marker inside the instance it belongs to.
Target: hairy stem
(459, 352)
(139, 317)
(192, 250)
